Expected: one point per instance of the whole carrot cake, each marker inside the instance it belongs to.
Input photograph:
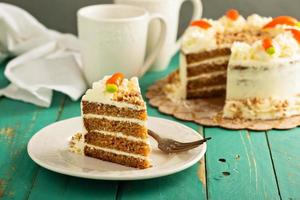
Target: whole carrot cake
(114, 117)
(254, 62)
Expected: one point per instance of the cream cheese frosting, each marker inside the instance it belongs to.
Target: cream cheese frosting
(264, 109)
(286, 48)
(121, 135)
(122, 119)
(117, 152)
(260, 85)
(233, 25)
(79, 144)
(99, 94)
(257, 21)
(198, 39)
(263, 86)
(212, 61)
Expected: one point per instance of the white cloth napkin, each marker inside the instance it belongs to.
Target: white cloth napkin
(44, 61)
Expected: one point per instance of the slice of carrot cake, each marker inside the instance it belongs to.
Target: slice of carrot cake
(114, 117)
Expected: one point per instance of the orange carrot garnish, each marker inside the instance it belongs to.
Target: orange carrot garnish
(287, 20)
(115, 79)
(112, 84)
(232, 14)
(268, 46)
(267, 43)
(201, 23)
(296, 34)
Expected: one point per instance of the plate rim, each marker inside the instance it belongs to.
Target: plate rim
(109, 177)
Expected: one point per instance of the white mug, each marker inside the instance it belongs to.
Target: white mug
(170, 9)
(114, 39)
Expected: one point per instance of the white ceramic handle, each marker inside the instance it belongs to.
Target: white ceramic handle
(197, 14)
(153, 55)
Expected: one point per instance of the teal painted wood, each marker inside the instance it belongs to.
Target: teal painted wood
(18, 122)
(239, 166)
(284, 146)
(184, 185)
(49, 185)
(53, 186)
(251, 173)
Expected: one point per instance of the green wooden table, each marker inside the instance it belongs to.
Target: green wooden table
(238, 164)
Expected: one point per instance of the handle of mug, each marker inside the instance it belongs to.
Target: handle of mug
(197, 14)
(152, 56)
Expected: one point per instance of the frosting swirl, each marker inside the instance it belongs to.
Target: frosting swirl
(197, 39)
(284, 44)
(256, 21)
(233, 25)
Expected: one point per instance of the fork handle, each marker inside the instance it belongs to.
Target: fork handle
(154, 135)
(199, 142)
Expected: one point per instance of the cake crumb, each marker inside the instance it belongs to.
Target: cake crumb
(8, 132)
(2, 183)
(201, 172)
(75, 144)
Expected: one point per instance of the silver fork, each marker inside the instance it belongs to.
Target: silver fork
(172, 146)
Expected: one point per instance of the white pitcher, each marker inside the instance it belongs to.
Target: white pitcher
(170, 9)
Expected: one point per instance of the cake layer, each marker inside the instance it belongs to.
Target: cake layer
(118, 143)
(206, 92)
(204, 55)
(111, 110)
(117, 158)
(209, 79)
(125, 127)
(206, 68)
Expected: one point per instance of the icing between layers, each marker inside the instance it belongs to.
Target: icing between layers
(99, 94)
(210, 88)
(122, 119)
(215, 61)
(79, 144)
(117, 152)
(121, 135)
(208, 75)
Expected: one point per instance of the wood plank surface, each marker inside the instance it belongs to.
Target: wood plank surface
(18, 122)
(284, 146)
(239, 166)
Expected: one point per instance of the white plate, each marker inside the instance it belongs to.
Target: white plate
(49, 149)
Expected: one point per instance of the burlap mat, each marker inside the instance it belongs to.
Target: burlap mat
(207, 112)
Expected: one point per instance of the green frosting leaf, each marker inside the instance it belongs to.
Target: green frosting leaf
(271, 50)
(111, 88)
